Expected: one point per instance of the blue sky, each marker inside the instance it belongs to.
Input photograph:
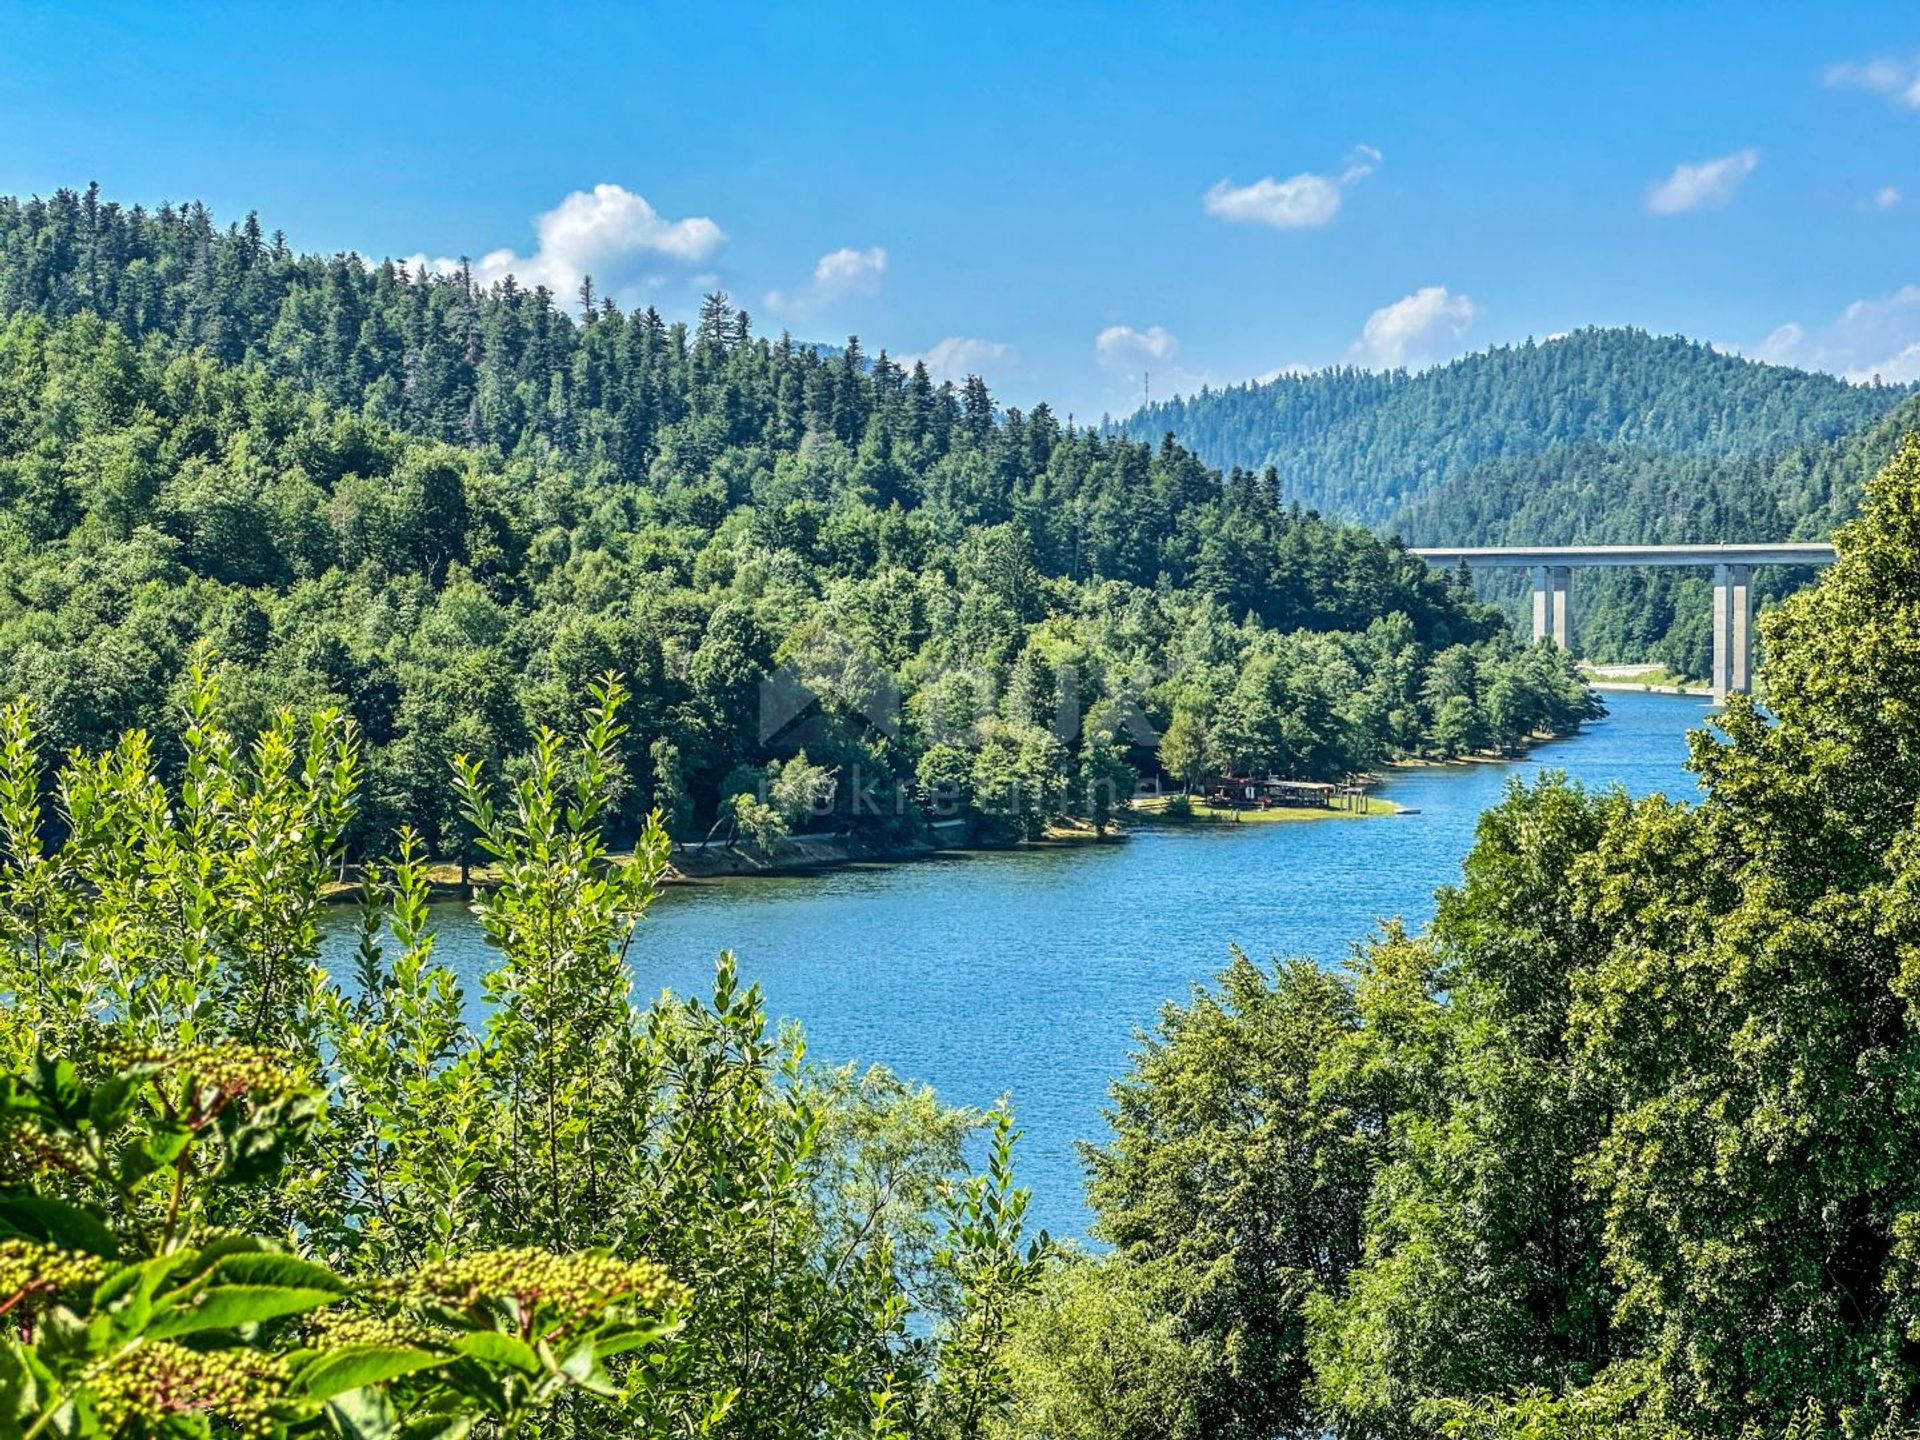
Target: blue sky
(1060, 196)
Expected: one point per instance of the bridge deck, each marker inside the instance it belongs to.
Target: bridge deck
(1582, 556)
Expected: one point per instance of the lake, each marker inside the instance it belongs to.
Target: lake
(1027, 973)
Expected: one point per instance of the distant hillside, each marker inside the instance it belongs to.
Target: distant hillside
(1592, 493)
(1364, 444)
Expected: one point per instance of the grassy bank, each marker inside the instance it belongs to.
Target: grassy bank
(1201, 813)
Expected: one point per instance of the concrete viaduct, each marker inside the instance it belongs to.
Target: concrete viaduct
(1553, 567)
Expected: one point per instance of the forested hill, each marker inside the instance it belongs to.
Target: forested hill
(1588, 493)
(443, 508)
(1362, 444)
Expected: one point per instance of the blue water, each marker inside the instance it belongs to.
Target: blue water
(1028, 973)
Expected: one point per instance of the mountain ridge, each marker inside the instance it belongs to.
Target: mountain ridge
(1366, 444)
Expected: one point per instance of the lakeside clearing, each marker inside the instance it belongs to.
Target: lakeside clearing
(1201, 813)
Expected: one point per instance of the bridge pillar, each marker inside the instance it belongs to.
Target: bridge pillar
(1560, 585)
(1732, 630)
(1740, 625)
(1552, 605)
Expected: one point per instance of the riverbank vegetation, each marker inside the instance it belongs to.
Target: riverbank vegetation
(1623, 1146)
(847, 595)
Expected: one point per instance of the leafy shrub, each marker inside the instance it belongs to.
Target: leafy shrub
(834, 1266)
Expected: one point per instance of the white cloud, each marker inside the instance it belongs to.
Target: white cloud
(1121, 345)
(1898, 80)
(958, 356)
(838, 273)
(1886, 197)
(1424, 327)
(1303, 202)
(1291, 371)
(1781, 346)
(1878, 336)
(607, 232)
(1708, 185)
(1130, 358)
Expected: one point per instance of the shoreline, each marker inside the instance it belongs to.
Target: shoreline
(705, 863)
(1628, 687)
(1488, 757)
(808, 855)
(699, 864)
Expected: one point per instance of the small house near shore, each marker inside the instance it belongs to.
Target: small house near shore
(1251, 792)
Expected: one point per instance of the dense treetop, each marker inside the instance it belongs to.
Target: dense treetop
(1592, 493)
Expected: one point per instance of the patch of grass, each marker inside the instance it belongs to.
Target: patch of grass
(1202, 813)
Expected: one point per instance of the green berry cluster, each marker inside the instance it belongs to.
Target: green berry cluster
(572, 1285)
(338, 1327)
(159, 1380)
(30, 1267)
(232, 1069)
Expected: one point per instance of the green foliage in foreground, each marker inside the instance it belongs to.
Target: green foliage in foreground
(1626, 1145)
(590, 1218)
(128, 1316)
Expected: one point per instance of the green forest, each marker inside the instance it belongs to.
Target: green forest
(1596, 437)
(844, 597)
(1623, 1146)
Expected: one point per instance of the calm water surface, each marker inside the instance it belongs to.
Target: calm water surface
(1027, 974)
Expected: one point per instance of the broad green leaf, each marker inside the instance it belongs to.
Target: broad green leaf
(55, 1222)
(497, 1349)
(364, 1414)
(435, 1427)
(582, 1367)
(223, 1307)
(112, 1099)
(361, 1365)
(155, 1151)
(267, 1267)
(633, 1338)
